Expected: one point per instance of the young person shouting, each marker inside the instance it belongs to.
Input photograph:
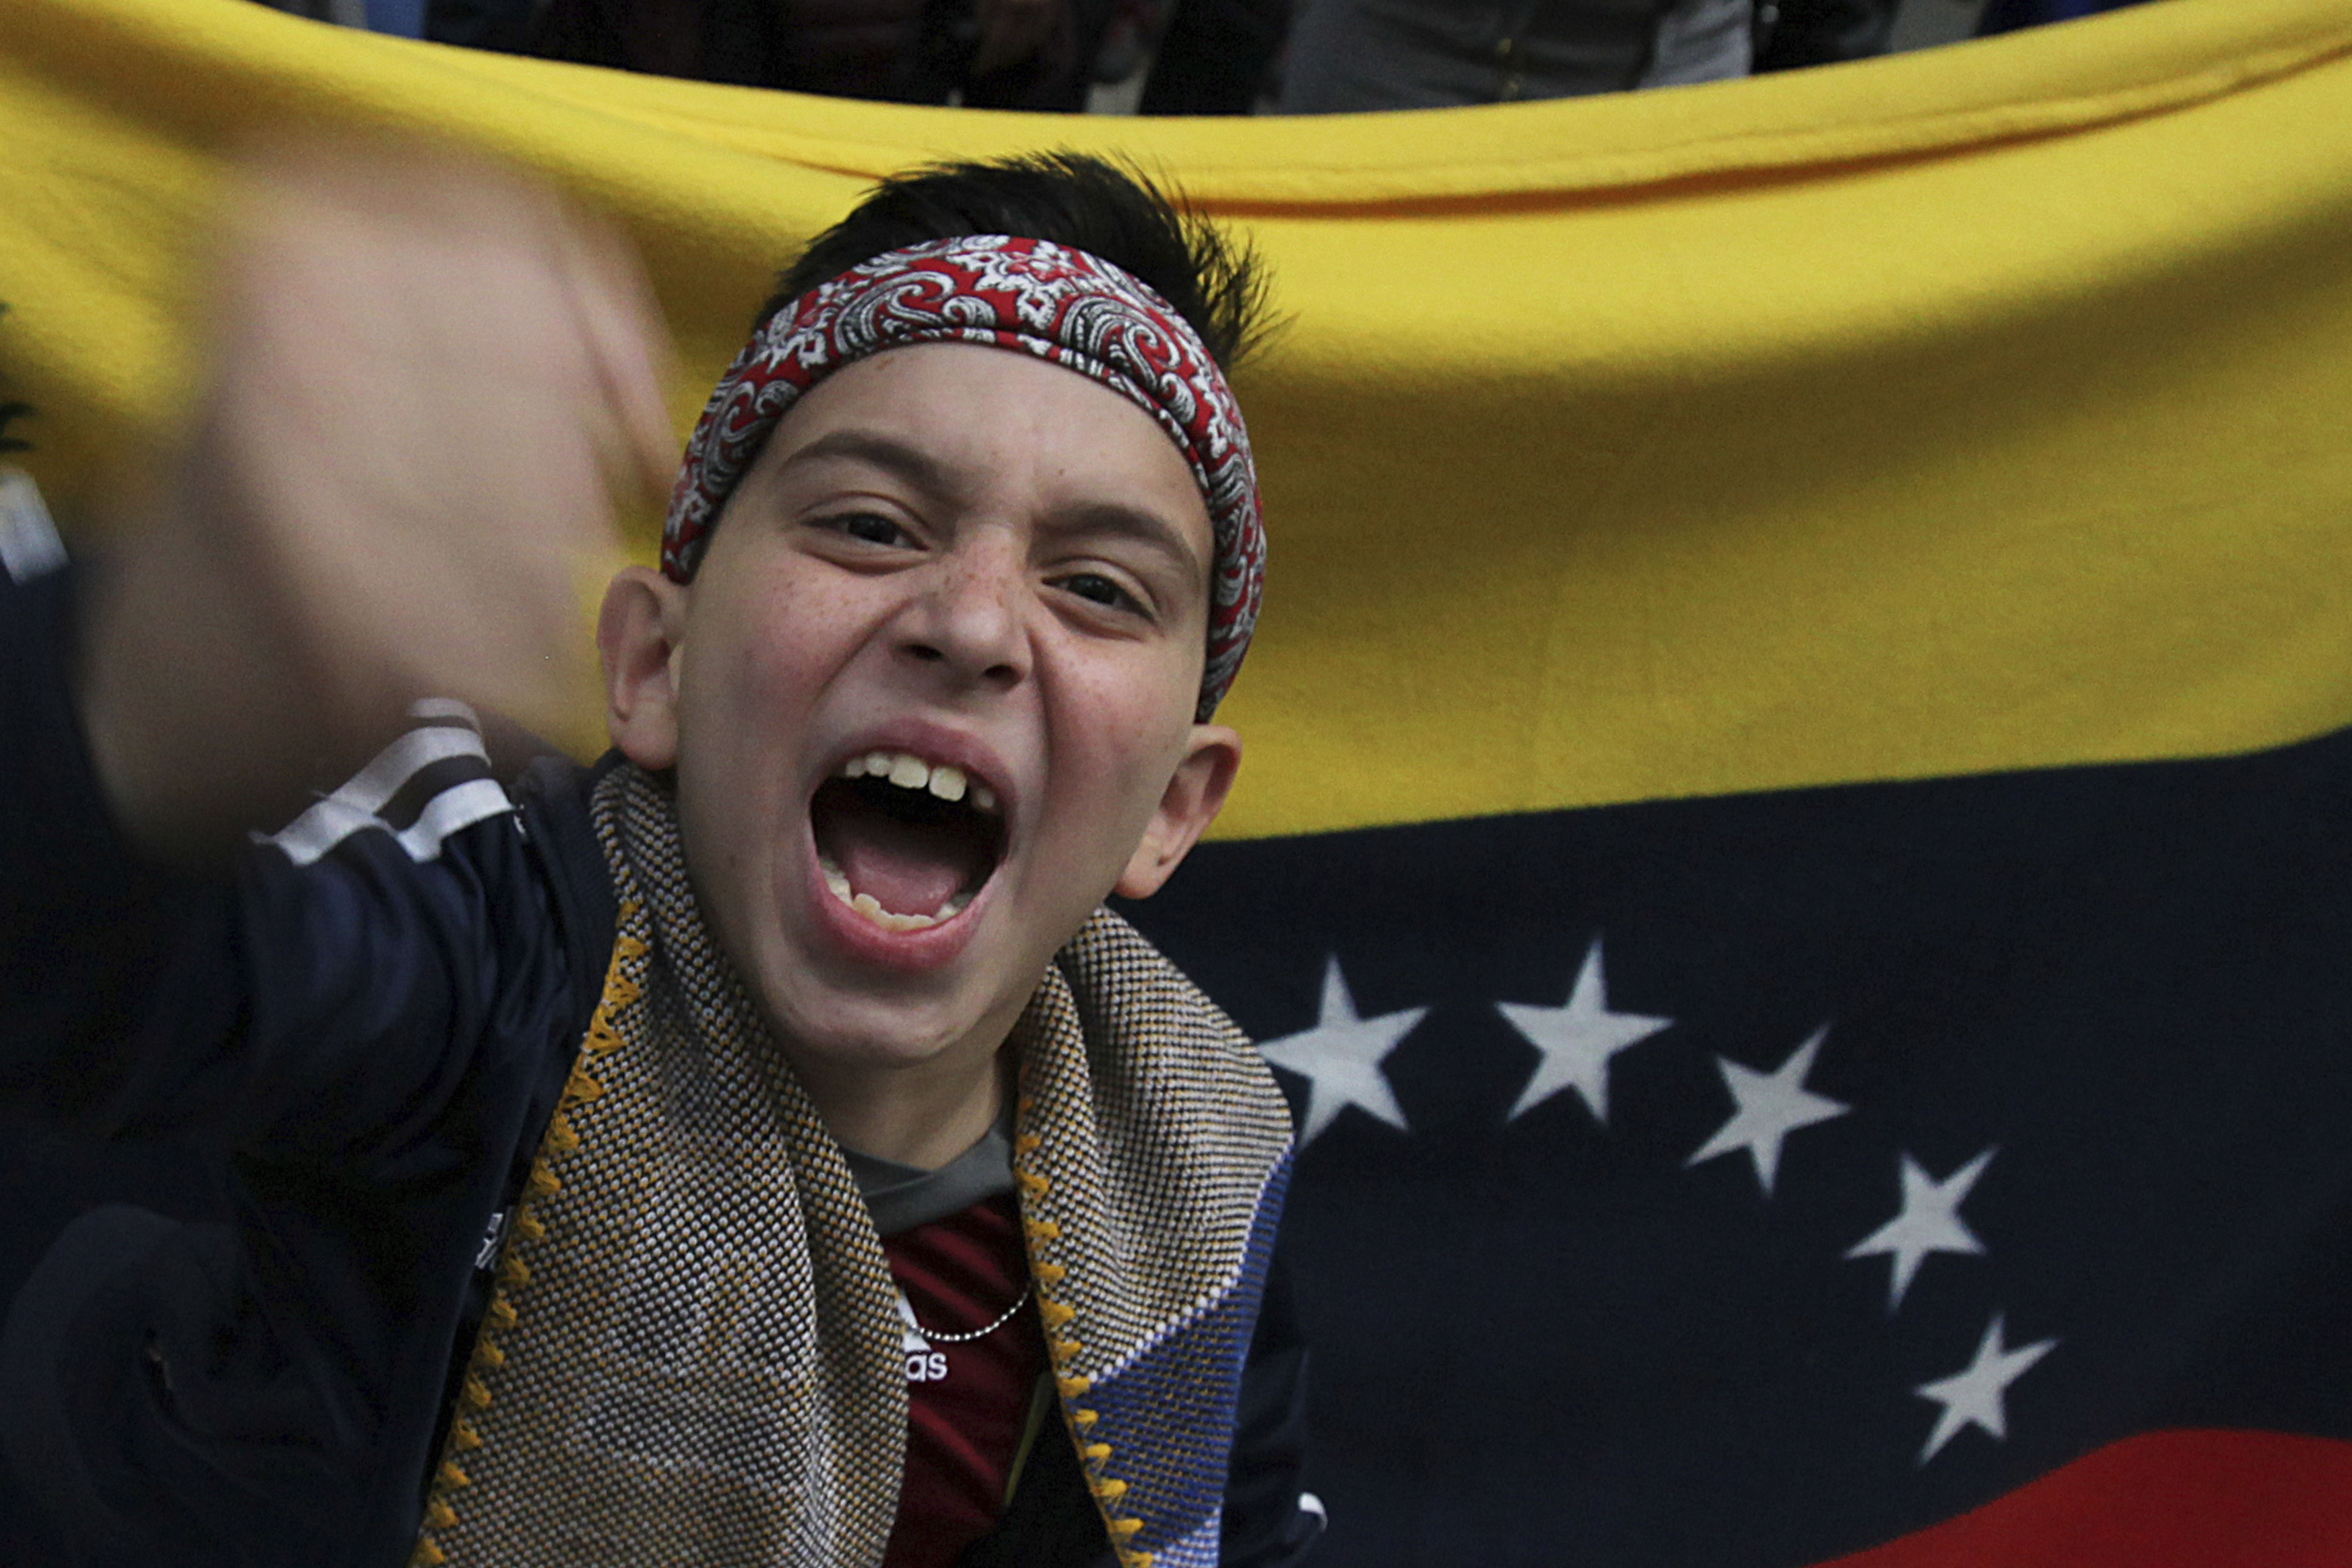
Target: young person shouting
(762, 1148)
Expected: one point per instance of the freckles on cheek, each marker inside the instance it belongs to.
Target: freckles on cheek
(1129, 721)
(803, 631)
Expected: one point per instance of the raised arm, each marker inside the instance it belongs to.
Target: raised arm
(428, 381)
(428, 384)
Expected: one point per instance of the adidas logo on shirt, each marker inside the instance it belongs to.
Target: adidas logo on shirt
(924, 1365)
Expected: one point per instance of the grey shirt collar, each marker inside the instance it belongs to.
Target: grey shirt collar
(904, 1196)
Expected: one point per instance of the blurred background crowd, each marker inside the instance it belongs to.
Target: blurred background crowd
(1197, 57)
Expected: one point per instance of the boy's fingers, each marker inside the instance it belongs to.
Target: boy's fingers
(432, 536)
(620, 324)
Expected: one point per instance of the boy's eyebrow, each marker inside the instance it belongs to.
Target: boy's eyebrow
(1139, 524)
(910, 463)
(926, 472)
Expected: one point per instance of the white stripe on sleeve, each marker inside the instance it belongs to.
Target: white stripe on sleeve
(460, 806)
(336, 818)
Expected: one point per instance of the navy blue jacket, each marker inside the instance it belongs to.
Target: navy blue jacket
(350, 1046)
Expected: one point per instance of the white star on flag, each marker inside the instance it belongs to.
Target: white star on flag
(1577, 1040)
(1972, 1396)
(1340, 1057)
(1771, 1106)
(1930, 1222)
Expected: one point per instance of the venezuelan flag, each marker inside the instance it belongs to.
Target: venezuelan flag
(1796, 852)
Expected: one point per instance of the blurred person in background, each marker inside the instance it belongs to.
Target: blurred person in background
(984, 54)
(2008, 16)
(1204, 57)
(1791, 34)
(1353, 54)
(1213, 56)
(502, 25)
(404, 17)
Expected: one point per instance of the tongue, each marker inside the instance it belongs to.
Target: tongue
(910, 869)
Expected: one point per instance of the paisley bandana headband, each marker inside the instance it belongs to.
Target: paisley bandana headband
(1061, 305)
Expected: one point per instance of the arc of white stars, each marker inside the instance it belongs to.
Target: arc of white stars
(1973, 1396)
(1340, 1057)
(1929, 1222)
(1767, 1108)
(1577, 1040)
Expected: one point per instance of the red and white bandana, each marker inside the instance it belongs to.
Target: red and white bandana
(1065, 306)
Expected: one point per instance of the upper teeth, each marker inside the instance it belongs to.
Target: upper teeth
(908, 770)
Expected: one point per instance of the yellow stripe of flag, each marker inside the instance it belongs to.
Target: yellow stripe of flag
(1980, 409)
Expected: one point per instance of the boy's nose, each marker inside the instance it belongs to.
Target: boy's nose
(969, 619)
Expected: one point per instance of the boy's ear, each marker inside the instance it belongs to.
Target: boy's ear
(1190, 803)
(637, 641)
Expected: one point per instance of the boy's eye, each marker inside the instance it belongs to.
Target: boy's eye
(1095, 588)
(867, 527)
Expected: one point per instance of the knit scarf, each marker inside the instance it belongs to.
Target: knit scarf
(692, 1354)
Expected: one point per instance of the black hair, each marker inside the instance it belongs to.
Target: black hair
(1214, 279)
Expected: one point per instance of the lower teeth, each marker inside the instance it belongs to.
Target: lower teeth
(837, 881)
(890, 919)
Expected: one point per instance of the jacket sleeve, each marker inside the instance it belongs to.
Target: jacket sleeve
(323, 997)
(362, 1023)
(83, 926)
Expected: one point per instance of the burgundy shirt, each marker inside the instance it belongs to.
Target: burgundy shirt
(967, 1402)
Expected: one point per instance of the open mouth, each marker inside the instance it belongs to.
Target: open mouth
(905, 841)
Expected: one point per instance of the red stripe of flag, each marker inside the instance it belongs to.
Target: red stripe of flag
(2164, 1500)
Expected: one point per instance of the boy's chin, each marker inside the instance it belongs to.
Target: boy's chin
(859, 1035)
(857, 997)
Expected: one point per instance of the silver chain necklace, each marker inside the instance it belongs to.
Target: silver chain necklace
(1018, 1302)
